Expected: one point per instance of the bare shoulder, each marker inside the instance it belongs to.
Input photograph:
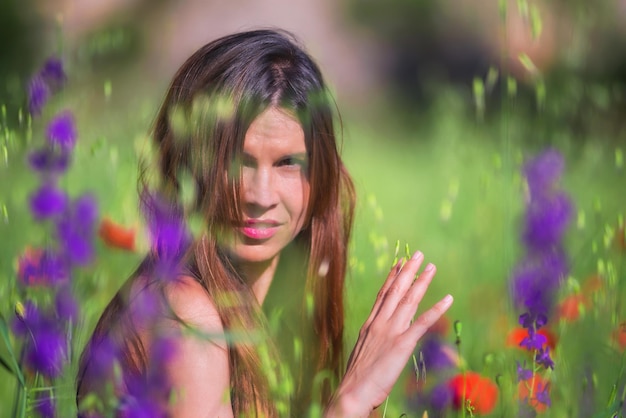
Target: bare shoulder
(190, 302)
(199, 372)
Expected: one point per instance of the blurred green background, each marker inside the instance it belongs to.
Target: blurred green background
(441, 102)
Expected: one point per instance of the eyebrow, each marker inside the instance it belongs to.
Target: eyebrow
(297, 155)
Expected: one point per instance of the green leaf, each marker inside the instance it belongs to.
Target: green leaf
(479, 97)
(4, 330)
(502, 9)
(522, 7)
(528, 64)
(492, 79)
(108, 89)
(6, 365)
(511, 86)
(536, 25)
(540, 92)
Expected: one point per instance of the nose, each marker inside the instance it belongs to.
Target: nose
(259, 188)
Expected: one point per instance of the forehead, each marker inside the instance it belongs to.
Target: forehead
(275, 131)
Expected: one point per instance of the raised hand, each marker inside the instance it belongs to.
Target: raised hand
(387, 339)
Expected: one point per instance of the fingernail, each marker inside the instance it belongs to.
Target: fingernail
(417, 255)
(429, 267)
(448, 299)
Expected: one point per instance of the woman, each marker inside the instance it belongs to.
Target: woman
(247, 120)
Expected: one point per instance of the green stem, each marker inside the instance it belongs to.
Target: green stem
(385, 408)
(463, 400)
(23, 403)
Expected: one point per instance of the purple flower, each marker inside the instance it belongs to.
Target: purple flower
(62, 131)
(147, 392)
(540, 321)
(440, 397)
(546, 221)
(168, 233)
(532, 322)
(44, 341)
(49, 160)
(65, 304)
(45, 405)
(42, 267)
(543, 394)
(103, 355)
(534, 341)
(46, 349)
(435, 357)
(523, 373)
(162, 351)
(141, 407)
(543, 171)
(145, 306)
(86, 211)
(543, 358)
(53, 73)
(536, 281)
(38, 94)
(48, 201)
(76, 230)
(526, 321)
(538, 276)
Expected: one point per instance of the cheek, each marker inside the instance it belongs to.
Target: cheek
(298, 199)
(306, 195)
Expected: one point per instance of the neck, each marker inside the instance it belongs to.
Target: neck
(259, 276)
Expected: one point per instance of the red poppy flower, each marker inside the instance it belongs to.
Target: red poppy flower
(27, 267)
(480, 393)
(115, 235)
(571, 307)
(517, 335)
(540, 399)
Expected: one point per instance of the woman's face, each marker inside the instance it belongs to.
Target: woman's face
(275, 187)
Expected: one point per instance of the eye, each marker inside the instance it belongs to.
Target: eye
(292, 162)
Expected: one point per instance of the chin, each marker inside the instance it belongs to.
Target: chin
(254, 254)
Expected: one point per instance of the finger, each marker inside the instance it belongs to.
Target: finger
(407, 306)
(374, 312)
(400, 285)
(428, 318)
(383, 290)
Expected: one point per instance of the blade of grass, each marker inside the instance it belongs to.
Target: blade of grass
(4, 330)
(6, 366)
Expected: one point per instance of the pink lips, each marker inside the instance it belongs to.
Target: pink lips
(259, 229)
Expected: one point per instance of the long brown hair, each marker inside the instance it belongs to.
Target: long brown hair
(199, 132)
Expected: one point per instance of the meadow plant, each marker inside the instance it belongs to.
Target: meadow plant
(47, 314)
(146, 392)
(534, 287)
(47, 311)
(539, 275)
